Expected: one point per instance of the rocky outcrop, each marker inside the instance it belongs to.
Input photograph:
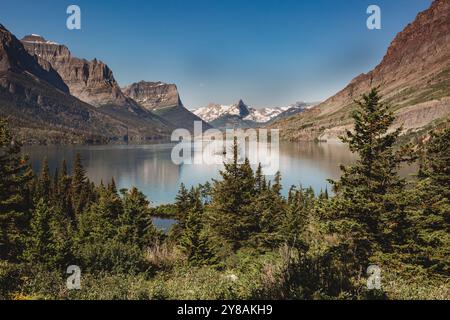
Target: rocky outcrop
(414, 71)
(93, 82)
(164, 100)
(14, 58)
(38, 105)
(90, 81)
(154, 95)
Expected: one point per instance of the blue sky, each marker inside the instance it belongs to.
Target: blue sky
(266, 52)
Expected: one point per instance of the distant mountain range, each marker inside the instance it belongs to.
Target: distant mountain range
(240, 115)
(413, 77)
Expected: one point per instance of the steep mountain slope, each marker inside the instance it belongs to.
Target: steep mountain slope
(93, 82)
(14, 58)
(164, 100)
(239, 115)
(291, 110)
(414, 77)
(37, 103)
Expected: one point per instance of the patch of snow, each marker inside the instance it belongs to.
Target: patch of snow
(214, 111)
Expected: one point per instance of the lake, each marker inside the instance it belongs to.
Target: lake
(151, 169)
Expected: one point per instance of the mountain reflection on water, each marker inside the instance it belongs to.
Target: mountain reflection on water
(151, 169)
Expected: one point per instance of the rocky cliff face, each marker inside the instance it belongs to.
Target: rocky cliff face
(38, 105)
(415, 71)
(154, 95)
(93, 82)
(13, 57)
(90, 81)
(164, 100)
(37, 101)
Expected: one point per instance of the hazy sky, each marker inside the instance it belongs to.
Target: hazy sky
(266, 52)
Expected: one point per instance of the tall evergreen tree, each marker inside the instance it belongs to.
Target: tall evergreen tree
(79, 185)
(15, 201)
(41, 244)
(367, 216)
(64, 202)
(100, 222)
(135, 222)
(112, 186)
(300, 205)
(44, 186)
(260, 179)
(194, 241)
(182, 203)
(269, 207)
(431, 206)
(231, 213)
(276, 188)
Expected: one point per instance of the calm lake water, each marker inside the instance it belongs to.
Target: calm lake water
(151, 170)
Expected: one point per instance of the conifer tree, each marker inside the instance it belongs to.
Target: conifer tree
(64, 202)
(366, 213)
(232, 216)
(260, 179)
(112, 186)
(44, 182)
(205, 192)
(269, 207)
(136, 226)
(79, 175)
(15, 175)
(194, 241)
(99, 223)
(323, 195)
(78, 185)
(41, 244)
(295, 222)
(431, 206)
(182, 203)
(276, 188)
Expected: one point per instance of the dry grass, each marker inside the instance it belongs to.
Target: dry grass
(163, 256)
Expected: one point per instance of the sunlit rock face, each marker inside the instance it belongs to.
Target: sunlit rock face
(164, 100)
(93, 82)
(90, 81)
(36, 101)
(154, 95)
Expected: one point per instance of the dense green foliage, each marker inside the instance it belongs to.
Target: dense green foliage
(237, 237)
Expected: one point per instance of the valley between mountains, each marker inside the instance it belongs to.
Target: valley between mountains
(50, 96)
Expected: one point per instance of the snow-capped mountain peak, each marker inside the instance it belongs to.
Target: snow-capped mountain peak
(215, 111)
